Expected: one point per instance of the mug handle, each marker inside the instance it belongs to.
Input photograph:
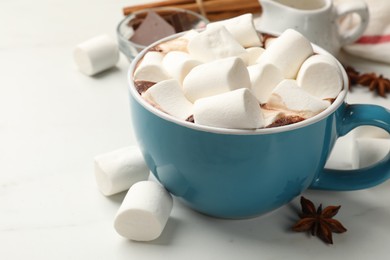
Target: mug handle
(344, 180)
(353, 7)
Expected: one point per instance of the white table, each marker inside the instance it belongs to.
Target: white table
(54, 120)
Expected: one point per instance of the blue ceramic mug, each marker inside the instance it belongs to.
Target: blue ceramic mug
(242, 173)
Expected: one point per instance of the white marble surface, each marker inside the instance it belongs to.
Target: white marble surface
(54, 120)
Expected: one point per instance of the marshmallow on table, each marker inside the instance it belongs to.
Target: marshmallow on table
(169, 96)
(288, 52)
(289, 96)
(216, 77)
(371, 150)
(370, 131)
(144, 211)
(150, 68)
(178, 64)
(254, 54)
(242, 29)
(320, 75)
(96, 55)
(264, 78)
(344, 155)
(214, 43)
(237, 109)
(268, 41)
(118, 170)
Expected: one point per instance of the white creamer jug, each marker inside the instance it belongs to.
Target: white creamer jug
(318, 20)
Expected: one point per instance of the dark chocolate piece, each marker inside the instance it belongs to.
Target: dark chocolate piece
(135, 23)
(152, 28)
(156, 48)
(181, 22)
(286, 120)
(190, 119)
(331, 100)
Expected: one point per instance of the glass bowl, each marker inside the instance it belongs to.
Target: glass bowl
(127, 26)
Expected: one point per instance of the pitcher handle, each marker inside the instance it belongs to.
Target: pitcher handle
(353, 7)
(343, 180)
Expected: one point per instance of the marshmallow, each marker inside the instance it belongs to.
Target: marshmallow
(288, 52)
(264, 78)
(96, 55)
(344, 155)
(237, 109)
(242, 29)
(215, 78)
(270, 116)
(320, 75)
(179, 44)
(268, 41)
(169, 96)
(144, 212)
(178, 64)
(189, 35)
(254, 54)
(150, 68)
(370, 131)
(289, 96)
(118, 170)
(214, 43)
(372, 150)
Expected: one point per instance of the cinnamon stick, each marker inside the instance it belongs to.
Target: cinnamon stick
(213, 8)
(217, 16)
(130, 9)
(216, 6)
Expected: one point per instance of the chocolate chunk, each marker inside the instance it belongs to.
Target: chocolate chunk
(331, 100)
(179, 44)
(181, 22)
(141, 86)
(156, 48)
(135, 23)
(190, 119)
(286, 120)
(152, 28)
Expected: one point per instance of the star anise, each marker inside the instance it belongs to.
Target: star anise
(319, 221)
(375, 83)
(353, 76)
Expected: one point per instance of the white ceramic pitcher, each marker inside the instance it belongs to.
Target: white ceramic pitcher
(318, 20)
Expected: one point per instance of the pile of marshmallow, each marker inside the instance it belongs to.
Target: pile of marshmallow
(147, 205)
(227, 76)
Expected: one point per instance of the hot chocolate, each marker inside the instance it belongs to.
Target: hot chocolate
(227, 76)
